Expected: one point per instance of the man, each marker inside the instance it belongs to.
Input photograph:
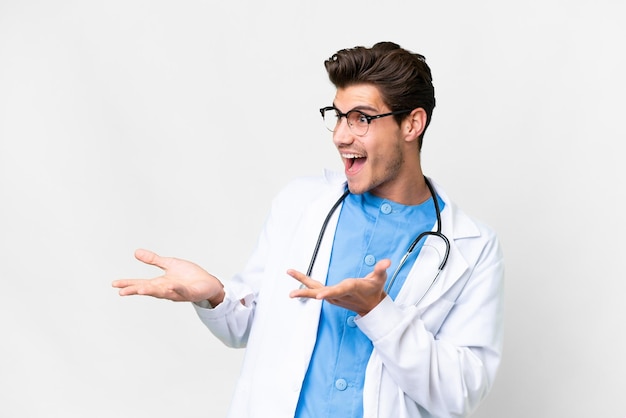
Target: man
(400, 311)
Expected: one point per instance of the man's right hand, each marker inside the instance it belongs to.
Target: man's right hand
(182, 281)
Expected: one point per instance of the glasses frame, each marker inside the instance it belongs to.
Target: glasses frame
(368, 118)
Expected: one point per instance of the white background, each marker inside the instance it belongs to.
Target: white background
(169, 125)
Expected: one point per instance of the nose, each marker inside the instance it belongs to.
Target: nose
(342, 135)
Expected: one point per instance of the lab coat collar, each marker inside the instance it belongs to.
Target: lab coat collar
(455, 225)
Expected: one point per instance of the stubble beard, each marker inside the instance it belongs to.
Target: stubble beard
(390, 173)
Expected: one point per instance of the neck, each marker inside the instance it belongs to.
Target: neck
(410, 191)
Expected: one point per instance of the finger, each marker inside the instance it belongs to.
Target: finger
(129, 289)
(341, 289)
(304, 292)
(304, 279)
(135, 287)
(147, 289)
(126, 282)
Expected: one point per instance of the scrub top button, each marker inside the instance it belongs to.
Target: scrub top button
(370, 260)
(350, 321)
(341, 384)
(385, 208)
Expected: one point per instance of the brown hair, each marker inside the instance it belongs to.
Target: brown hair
(403, 77)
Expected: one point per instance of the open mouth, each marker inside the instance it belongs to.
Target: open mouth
(353, 162)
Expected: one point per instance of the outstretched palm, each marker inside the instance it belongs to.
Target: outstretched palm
(182, 281)
(360, 295)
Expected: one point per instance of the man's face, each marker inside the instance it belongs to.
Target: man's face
(373, 162)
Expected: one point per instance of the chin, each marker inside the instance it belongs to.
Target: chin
(356, 188)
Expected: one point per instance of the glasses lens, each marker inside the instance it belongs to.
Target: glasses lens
(357, 122)
(331, 119)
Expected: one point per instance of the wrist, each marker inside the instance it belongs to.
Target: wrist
(217, 299)
(383, 295)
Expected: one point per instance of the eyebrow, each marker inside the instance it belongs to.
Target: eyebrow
(361, 108)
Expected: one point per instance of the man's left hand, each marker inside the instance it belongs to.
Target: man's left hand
(359, 295)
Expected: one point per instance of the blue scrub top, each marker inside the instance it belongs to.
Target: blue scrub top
(369, 229)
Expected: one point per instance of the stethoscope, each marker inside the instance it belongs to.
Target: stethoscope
(424, 234)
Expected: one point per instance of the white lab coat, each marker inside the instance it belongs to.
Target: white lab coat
(436, 359)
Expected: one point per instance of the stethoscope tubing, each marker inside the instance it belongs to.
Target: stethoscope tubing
(323, 229)
(436, 233)
(424, 234)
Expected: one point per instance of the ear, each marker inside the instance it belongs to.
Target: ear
(414, 124)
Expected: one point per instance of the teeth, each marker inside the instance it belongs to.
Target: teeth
(351, 156)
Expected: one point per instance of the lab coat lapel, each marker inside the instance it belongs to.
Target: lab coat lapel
(425, 269)
(305, 313)
(419, 283)
(309, 229)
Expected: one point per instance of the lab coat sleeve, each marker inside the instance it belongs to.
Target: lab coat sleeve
(232, 319)
(447, 369)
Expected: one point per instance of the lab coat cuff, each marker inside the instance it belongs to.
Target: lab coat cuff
(381, 320)
(233, 295)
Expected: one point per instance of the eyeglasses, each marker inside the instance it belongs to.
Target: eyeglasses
(358, 122)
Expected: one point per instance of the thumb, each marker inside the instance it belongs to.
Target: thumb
(380, 269)
(149, 257)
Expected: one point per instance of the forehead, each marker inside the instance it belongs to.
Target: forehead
(359, 96)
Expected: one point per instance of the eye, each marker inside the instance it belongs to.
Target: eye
(358, 118)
